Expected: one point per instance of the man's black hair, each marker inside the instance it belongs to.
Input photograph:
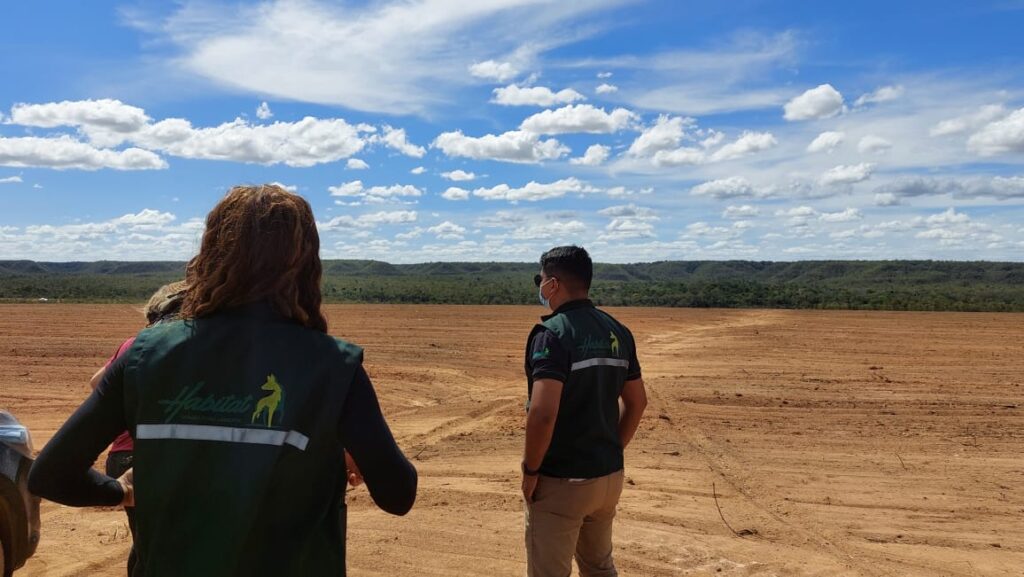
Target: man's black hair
(569, 264)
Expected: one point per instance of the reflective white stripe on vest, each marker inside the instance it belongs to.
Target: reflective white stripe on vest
(602, 362)
(225, 434)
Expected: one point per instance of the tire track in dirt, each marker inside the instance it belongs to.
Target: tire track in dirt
(472, 420)
(718, 458)
(788, 525)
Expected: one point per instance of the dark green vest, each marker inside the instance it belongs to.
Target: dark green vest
(585, 443)
(239, 469)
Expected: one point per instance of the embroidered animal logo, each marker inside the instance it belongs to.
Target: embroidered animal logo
(615, 344)
(270, 403)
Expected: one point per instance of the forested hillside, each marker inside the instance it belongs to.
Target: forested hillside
(891, 285)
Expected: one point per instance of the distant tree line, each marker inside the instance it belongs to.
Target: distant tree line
(882, 285)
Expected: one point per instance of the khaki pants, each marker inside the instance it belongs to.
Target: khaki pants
(572, 517)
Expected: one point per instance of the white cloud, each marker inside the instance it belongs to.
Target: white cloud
(1000, 136)
(106, 114)
(459, 175)
(797, 211)
(396, 57)
(747, 143)
(743, 211)
(369, 221)
(603, 75)
(576, 118)
(700, 229)
(493, 70)
(448, 230)
(392, 217)
(628, 221)
(823, 101)
(666, 133)
(624, 228)
(148, 235)
(595, 155)
(355, 189)
(951, 216)
(886, 199)
(513, 146)
(410, 234)
(629, 211)
(455, 193)
(263, 111)
(307, 142)
(872, 144)
(826, 142)
(356, 164)
(680, 157)
(549, 230)
(973, 121)
(109, 123)
(847, 174)
(621, 191)
(731, 187)
(10, 180)
(418, 170)
(501, 219)
(147, 217)
(883, 94)
(534, 96)
(606, 88)
(998, 187)
(396, 138)
(64, 152)
(952, 228)
(534, 191)
(288, 187)
(711, 138)
(848, 215)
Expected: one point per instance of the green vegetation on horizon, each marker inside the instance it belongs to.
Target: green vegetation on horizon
(884, 285)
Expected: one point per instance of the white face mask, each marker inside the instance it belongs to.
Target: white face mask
(540, 293)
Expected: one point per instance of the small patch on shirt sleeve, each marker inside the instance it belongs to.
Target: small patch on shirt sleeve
(548, 359)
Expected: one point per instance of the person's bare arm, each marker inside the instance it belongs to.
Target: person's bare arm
(634, 401)
(96, 378)
(540, 425)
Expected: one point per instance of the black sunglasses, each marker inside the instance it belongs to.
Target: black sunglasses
(537, 279)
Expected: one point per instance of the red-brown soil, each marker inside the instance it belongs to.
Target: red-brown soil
(838, 443)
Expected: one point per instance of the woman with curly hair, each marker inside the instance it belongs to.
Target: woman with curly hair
(241, 412)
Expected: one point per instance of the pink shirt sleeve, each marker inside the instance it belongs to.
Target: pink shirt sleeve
(121, 350)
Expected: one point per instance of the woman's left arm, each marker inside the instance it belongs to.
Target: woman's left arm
(63, 470)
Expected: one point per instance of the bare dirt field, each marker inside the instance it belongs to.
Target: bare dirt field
(838, 443)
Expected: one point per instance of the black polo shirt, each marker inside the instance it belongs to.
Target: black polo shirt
(593, 355)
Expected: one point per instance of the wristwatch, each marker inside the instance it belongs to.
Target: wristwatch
(530, 472)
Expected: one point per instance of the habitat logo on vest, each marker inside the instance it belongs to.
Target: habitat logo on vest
(592, 345)
(271, 403)
(192, 404)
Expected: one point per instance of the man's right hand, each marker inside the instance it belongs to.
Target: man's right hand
(127, 482)
(355, 478)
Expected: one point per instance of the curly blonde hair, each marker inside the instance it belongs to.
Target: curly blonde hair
(165, 302)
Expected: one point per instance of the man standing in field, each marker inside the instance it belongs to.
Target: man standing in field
(579, 362)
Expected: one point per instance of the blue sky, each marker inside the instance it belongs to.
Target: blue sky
(428, 130)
